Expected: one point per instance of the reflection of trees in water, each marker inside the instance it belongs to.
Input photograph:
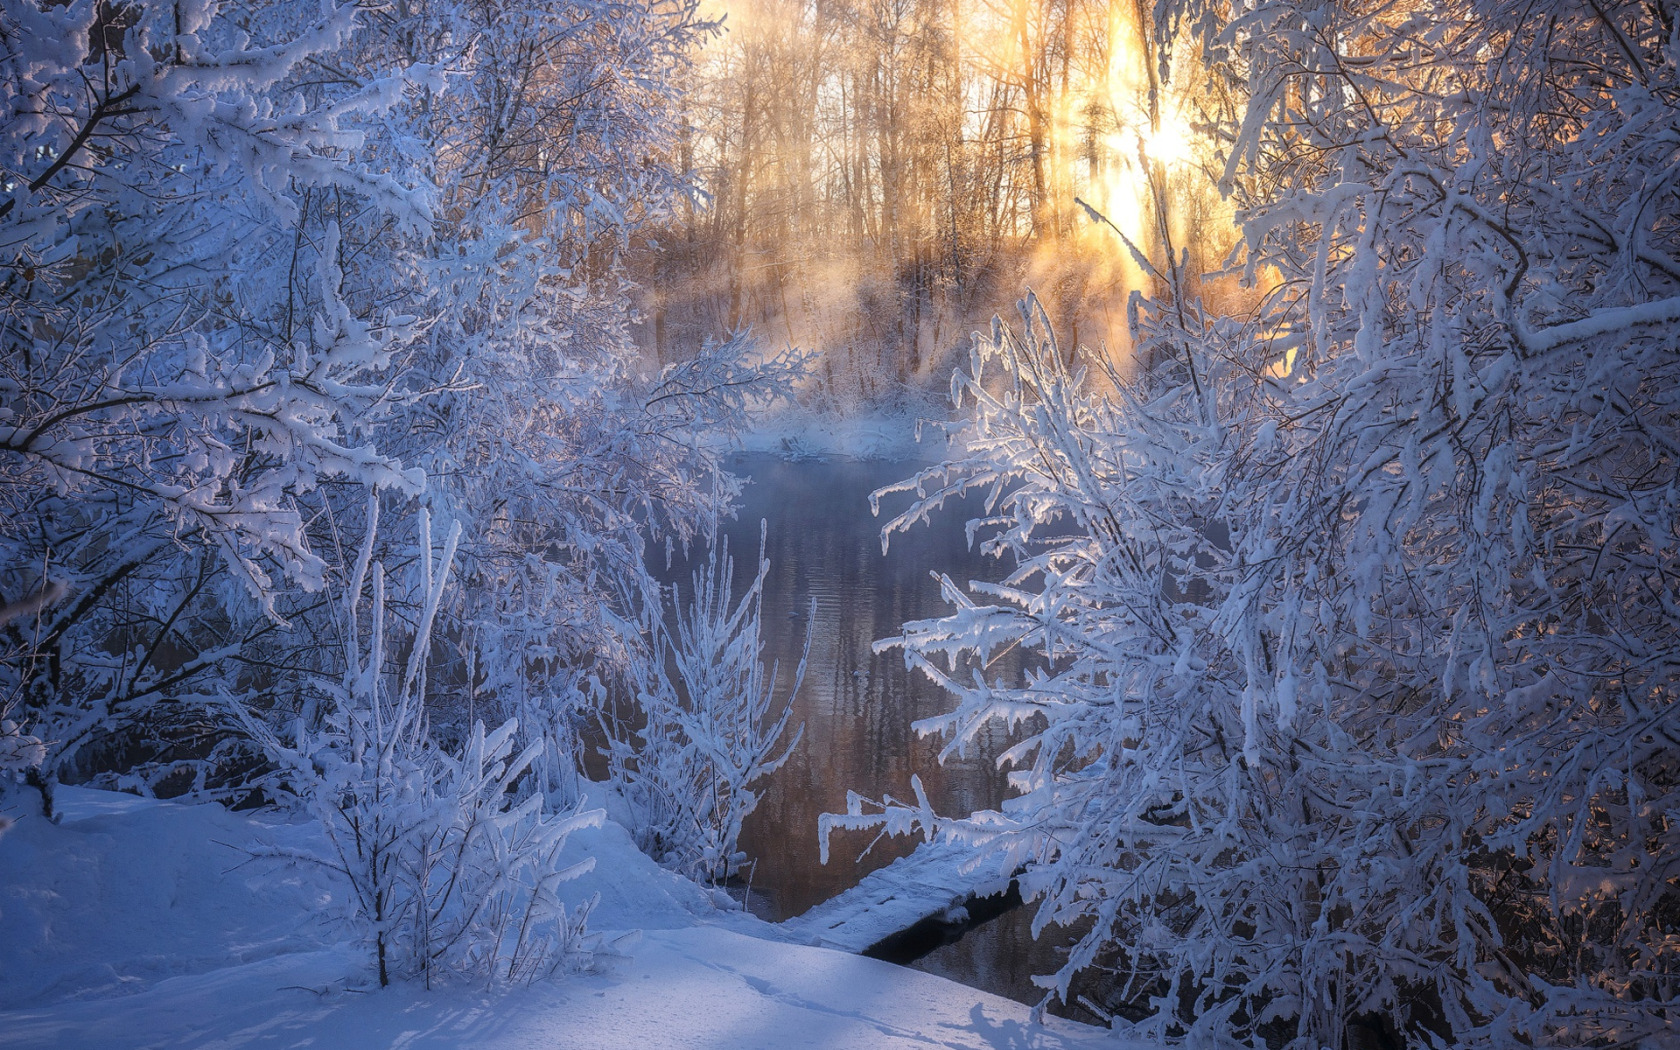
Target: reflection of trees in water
(858, 707)
(1001, 957)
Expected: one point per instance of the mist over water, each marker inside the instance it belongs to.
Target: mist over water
(877, 181)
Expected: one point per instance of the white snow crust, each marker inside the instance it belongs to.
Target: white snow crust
(139, 924)
(937, 877)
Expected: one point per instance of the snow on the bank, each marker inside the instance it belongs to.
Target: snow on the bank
(128, 891)
(933, 879)
(145, 924)
(702, 987)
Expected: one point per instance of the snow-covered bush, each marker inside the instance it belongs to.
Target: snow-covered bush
(1358, 703)
(1150, 796)
(705, 728)
(549, 141)
(180, 369)
(21, 756)
(269, 255)
(447, 867)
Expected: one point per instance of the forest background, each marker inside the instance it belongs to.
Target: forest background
(881, 177)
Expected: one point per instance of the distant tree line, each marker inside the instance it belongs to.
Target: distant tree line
(881, 176)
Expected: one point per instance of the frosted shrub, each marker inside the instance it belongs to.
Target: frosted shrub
(182, 367)
(1358, 700)
(1258, 759)
(710, 730)
(20, 756)
(447, 871)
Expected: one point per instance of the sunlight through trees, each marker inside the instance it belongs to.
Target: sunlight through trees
(881, 177)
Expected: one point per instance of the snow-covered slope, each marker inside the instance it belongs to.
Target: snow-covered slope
(145, 924)
(128, 891)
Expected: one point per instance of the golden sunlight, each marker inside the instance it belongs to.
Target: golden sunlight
(1171, 143)
(923, 162)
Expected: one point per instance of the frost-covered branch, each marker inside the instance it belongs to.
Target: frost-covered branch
(1357, 693)
(706, 727)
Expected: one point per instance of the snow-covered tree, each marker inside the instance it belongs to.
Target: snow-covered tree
(705, 727)
(179, 366)
(550, 140)
(267, 257)
(1358, 613)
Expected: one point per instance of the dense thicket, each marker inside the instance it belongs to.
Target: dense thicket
(1359, 612)
(263, 259)
(269, 269)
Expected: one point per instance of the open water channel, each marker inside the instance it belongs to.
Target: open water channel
(858, 706)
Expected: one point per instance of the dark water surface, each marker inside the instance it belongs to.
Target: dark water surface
(858, 706)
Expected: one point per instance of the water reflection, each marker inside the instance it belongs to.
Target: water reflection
(1003, 957)
(857, 706)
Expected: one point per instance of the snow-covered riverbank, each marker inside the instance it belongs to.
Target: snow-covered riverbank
(146, 924)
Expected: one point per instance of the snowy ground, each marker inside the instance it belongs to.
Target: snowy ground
(144, 924)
